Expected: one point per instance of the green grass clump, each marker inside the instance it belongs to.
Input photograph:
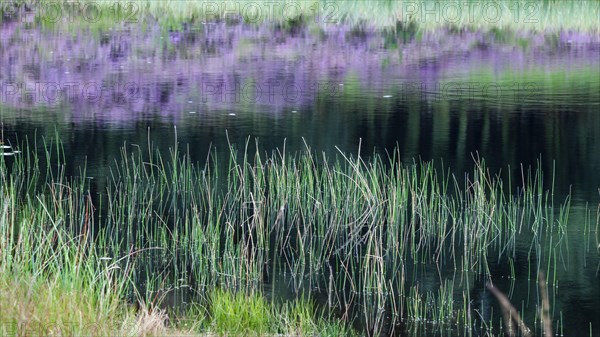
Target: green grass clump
(234, 313)
(302, 318)
(240, 314)
(50, 278)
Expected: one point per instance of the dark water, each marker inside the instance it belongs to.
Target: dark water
(511, 98)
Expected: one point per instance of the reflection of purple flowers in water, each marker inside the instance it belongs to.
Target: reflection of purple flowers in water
(134, 74)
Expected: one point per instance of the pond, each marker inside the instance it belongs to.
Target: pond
(518, 100)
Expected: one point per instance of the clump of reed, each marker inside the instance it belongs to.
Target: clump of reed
(63, 272)
(241, 314)
(363, 232)
(52, 277)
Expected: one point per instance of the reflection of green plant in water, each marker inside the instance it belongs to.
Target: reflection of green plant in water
(436, 308)
(293, 25)
(359, 29)
(512, 316)
(406, 31)
(598, 230)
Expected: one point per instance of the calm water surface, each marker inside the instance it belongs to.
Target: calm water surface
(511, 98)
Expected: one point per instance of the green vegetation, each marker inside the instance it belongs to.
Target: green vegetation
(59, 277)
(359, 231)
(495, 15)
(243, 315)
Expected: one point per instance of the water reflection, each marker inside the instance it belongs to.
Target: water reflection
(439, 95)
(511, 98)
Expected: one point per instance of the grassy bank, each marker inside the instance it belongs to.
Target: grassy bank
(537, 15)
(360, 234)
